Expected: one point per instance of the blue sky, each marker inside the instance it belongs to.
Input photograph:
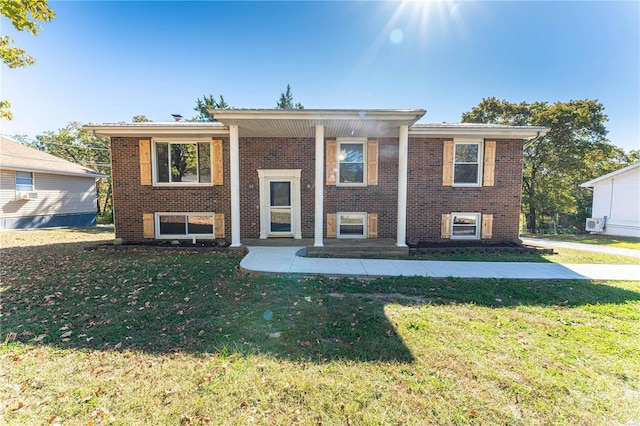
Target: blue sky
(108, 61)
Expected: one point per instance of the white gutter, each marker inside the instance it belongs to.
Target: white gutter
(317, 114)
(527, 133)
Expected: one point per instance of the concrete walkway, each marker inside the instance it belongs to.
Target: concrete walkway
(579, 246)
(288, 260)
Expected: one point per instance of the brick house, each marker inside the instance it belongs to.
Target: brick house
(317, 174)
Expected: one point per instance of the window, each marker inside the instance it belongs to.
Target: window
(181, 225)
(352, 225)
(465, 225)
(466, 163)
(351, 162)
(183, 162)
(24, 181)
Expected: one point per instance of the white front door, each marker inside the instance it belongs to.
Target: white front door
(280, 208)
(280, 203)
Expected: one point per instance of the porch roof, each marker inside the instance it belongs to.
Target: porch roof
(302, 122)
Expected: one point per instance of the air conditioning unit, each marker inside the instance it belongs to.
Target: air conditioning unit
(595, 224)
(26, 195)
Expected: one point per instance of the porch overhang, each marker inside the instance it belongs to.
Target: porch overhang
(302, 123)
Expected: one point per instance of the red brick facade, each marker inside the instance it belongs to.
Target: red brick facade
(427, 198)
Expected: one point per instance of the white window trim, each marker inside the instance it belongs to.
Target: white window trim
(154, 161)
(352, 237)
(33, 181)
(157, 216)
(478, 226)
(362, 141)
(466, 141)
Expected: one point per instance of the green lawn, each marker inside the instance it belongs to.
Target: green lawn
(160, 337)
(602, 240)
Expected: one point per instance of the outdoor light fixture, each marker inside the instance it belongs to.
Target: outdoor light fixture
(176, 117)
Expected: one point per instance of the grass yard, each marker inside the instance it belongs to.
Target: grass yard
(184, 338)
(601, 240)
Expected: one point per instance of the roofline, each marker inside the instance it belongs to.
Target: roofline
(160, 129)
(515, 132)
(89, 174)
(318, 114)
(626, 169)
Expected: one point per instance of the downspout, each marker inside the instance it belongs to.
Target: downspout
(530, 141)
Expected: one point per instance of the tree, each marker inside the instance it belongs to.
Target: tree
(286, 101)
(140, 119)
(78, 146)
(24, 15)
(574, 151)
(208, 102)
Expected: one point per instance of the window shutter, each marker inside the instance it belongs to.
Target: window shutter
(218, 223)
(372, 225)
(445, 226)
(489, 163)
(145, 161)
(332, 228)
(447, 164)
(331, 163)
(372, 162)
(218, 162)
(487, 226)
(148, 225)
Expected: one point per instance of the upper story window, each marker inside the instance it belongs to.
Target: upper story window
(351, 162)
(467, 163)
(183, 162)
(24, 181)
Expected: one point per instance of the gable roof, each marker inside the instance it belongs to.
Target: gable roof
(592, 182)
(16, 156)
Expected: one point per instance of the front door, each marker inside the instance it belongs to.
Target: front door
(280, 203)
(280, 208)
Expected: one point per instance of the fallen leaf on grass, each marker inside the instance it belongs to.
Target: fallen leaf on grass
(19, 407)
(66, 335)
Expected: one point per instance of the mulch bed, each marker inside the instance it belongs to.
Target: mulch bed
(473, 247)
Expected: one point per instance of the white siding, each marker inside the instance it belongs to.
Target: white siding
(618, 199)
(57, 194)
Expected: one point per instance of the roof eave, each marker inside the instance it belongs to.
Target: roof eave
(94, 175)
(318, 114)
(168, 130)
(591, 183)
(486, 133)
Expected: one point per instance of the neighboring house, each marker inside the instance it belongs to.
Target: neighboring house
(616, 202)
(40, 190)
(317, 174)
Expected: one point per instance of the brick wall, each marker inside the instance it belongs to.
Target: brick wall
(427, 199)
(275, 153)
(131, 199)
(381, 198)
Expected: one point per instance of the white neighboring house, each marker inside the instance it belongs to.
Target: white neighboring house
(40, 190)
(616, 200)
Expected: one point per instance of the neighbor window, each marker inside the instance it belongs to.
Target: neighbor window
(352, 225)
(183, 162)
(466, 163)
(24, 181)
(465, 225)
(351, 162)
(181, 225)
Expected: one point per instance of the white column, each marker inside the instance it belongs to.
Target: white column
(234, 160)
(403, 153)
(319, 187)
